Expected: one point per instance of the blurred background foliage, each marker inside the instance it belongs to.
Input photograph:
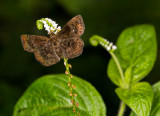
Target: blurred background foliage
(18, 69)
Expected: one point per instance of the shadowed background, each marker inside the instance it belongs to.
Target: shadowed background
(18, 69)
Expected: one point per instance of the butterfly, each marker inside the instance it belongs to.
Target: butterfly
(65, 44)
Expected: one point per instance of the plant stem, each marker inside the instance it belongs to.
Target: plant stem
(122, 104)
(69, 77)
(67, 68)
(121, 109)
(71, 86)
(95, 40)
(118, 65)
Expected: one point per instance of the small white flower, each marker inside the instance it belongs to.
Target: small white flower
(48, 19)
(107, 45)
(110, 44)
(59, 28)
(114, 47)
(50, 25)
(51, 28)
(54, 25)
(108, 48)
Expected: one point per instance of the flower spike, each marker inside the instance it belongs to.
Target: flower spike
(49, 25)
(95, 40)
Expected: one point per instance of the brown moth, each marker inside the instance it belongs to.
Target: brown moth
(65, 44)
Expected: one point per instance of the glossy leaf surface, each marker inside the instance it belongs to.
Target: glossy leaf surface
(49, 95)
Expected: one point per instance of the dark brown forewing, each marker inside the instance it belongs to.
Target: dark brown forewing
(72, 47)
(42, 48)
(74, 28)
(57, 47)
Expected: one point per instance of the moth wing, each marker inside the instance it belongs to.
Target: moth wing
(75, 27)
(42, 48)
(72, 47)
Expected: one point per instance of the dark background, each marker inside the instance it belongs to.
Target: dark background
(18, 69)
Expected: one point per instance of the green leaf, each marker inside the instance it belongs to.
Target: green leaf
(128, 75)
(155, 111)
(138, 98)
(132, 114)
(156, 100)
(49, 95)
(136, 48)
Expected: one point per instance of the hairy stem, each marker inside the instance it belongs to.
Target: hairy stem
(118, 66)
(121, 109)
(71, 86)
(122, 104)
(95, 40)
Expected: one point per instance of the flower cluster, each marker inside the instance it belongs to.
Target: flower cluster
(95, 40)
(49, 25)
(107, 45)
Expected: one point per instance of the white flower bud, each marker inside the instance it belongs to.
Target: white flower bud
(108, 48)
(114, 47)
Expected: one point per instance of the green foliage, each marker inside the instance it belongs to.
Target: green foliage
(131, 62)
(104, 17)
(138, 98)
(156, 100)
(49, 95)
(137, 49)
(155, 111)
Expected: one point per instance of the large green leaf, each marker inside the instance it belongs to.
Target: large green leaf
(155, 111)
(156, 100)
(49, 95)
(136, 49)
(138, 98)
